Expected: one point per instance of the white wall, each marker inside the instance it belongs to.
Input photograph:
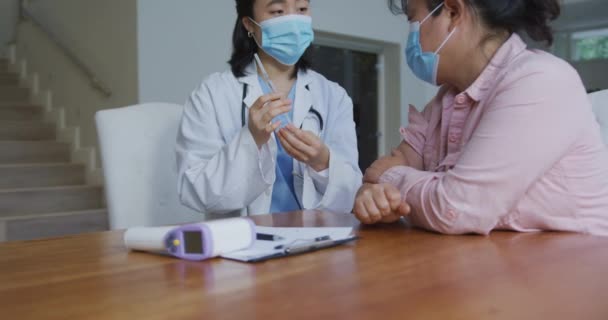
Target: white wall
(8, 20)
(180, 44)
(103, 35)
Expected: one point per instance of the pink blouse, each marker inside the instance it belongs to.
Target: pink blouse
(518, 150)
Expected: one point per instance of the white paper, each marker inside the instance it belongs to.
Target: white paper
(292, 236)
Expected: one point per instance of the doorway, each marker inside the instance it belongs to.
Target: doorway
(358, 72)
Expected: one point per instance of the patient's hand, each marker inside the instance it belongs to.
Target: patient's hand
(380, 166)
(380, 203)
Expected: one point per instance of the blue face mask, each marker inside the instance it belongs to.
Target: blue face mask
(425, 65)
(286, 38)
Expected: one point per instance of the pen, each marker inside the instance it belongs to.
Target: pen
(268, 237)
(310, 247)
(317, 239)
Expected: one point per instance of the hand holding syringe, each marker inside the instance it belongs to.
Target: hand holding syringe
(282, 118)
(303, 146)
(264, 114)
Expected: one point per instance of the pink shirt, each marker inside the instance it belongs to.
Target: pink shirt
(518, 150)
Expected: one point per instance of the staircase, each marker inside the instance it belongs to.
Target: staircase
(42, 194)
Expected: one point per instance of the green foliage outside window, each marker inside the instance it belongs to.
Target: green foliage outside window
(592, 48)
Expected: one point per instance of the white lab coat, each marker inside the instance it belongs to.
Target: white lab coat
(223, 173)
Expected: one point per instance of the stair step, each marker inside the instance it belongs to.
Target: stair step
(18, 202)
(41, 175)
(9, 79)
(12, 93)
(30, 130)
(19, 102)
(27, 152)
(31, 227)
(20, 112)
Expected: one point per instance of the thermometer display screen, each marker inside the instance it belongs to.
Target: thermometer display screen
(193, 242)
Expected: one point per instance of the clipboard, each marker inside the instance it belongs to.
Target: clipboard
(294, 241)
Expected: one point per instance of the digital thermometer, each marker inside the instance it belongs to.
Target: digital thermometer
(195, 242)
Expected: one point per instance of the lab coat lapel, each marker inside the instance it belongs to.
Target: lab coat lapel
(253, 85)
(303, 98)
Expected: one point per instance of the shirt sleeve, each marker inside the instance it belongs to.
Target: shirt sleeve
(530, 124)
(320, 179)
(415, 133)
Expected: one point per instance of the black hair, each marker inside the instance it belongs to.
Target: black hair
(514, 16)
(244, 47)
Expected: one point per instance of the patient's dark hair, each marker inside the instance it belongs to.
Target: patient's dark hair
(244, 47)
(514, 16)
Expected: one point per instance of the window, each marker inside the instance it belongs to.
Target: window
(589, 45)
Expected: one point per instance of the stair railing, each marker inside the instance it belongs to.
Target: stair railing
(25, 14)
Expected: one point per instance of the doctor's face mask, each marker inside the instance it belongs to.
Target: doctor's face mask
(286, 38)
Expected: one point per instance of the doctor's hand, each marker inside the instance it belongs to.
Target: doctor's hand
(262, 112)
(380, 166)
(305, 147)
(380, 203)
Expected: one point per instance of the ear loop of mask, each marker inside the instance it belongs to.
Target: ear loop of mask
(430, 14)
(252, 35)
(445, 41)
(448, 37)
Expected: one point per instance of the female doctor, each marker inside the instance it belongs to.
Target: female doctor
(270, 135)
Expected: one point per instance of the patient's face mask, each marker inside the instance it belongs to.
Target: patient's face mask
(286, 38)
(424, 65)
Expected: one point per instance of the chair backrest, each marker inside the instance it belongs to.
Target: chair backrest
(599, 101)
(137, 146)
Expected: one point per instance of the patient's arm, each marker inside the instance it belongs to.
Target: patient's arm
(404, 155)
(414, 160)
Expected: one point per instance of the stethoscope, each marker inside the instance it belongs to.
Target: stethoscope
(312, 111)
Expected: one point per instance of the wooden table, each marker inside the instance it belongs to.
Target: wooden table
(392, 272)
